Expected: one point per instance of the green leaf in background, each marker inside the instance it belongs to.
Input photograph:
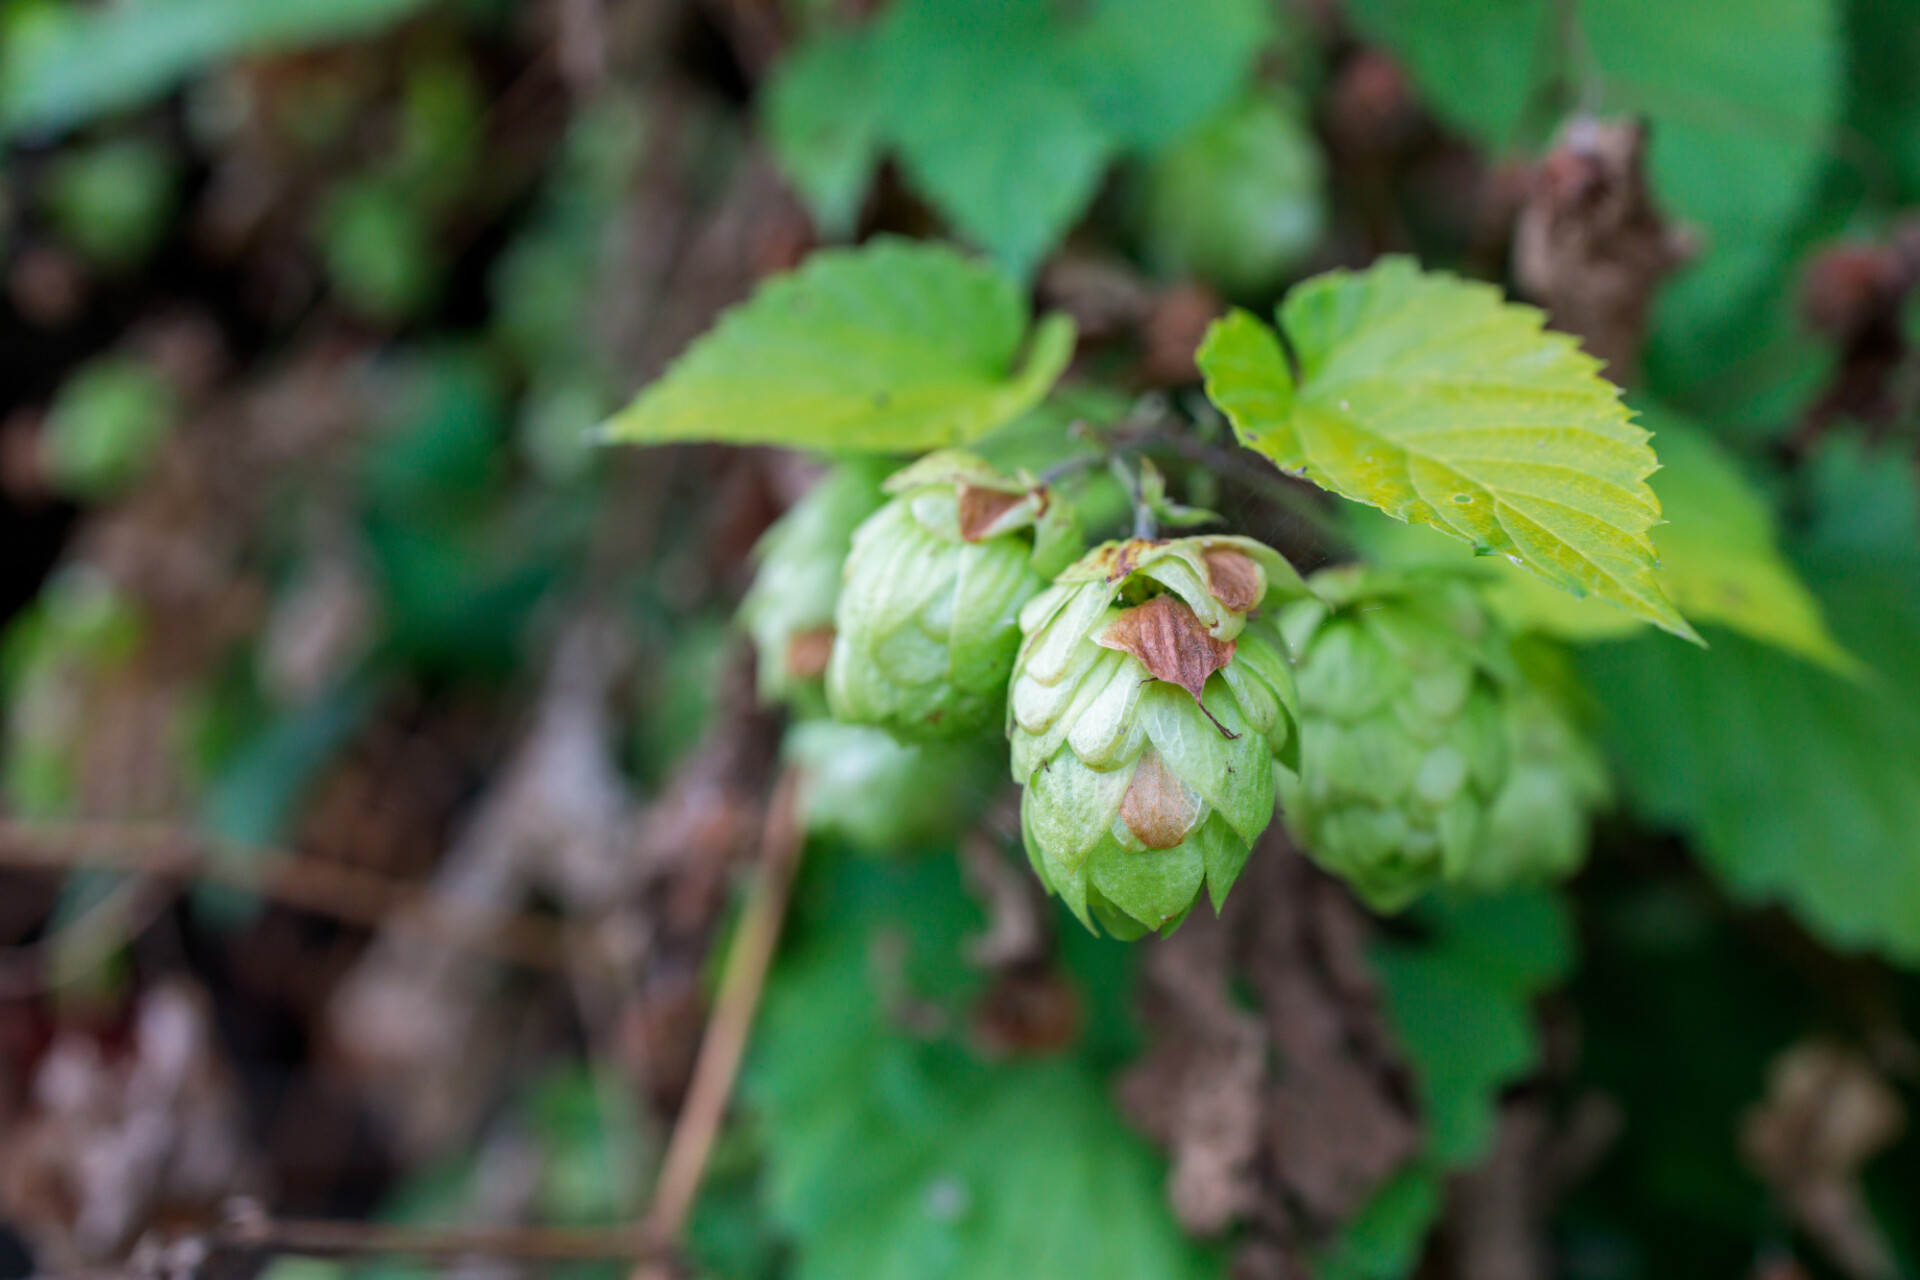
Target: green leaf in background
(1006, 114)
(1461, 1005)
(1152, 71)
(1240, 201)
(62, 65)
(105, 426)
(1741, 125)
(897, 1154)
(1742, 128)
(824, 121)
(1429, 397)
(1383, 1240)
(1797, 786)
(988, 123)
(893, 347)
(1720, 560)
(111, 200)
(1480, 63)
(1884, 106)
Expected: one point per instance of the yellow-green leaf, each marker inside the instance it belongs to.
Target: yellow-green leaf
(1433, 399)
(895, 347)
(1719, 560)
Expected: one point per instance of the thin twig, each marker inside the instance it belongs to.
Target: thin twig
(1259, 474)
(725, 1041)
(249, 1229)
(326, 888)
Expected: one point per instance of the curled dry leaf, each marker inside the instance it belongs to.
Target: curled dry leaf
(1170, 642)
(1233, 578)
(982, 510)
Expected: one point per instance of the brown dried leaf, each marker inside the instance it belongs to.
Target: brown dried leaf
(1826, 1114)
(808, 653)
(981, 510)
(1591, 246)
(1170, 642)
(1233, 578)
(1159, 808)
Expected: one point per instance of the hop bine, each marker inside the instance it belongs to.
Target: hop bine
(1430, 753)
(1146, 712)
(927, 622)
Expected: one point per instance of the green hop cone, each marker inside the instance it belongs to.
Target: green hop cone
(1538, 825)
(789, 608)
(882, 796)
(1428, 754)
(1146, 713)
(927, 623)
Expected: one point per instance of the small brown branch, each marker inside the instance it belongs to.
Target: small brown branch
(345, 893)
(248, 1228)
(748, 959)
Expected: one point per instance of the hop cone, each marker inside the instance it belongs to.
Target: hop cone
(927, 623)
(1427, 754)
(1538, 825)
(789, 608)
(1145, 715)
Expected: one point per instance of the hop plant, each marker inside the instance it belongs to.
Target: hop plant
(1427, 753)
(788, 611)
(1145, 715)
(927, 623)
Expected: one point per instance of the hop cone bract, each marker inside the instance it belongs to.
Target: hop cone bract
(927, 623)
(789, 608)
(1428, 755)
(1145, 715)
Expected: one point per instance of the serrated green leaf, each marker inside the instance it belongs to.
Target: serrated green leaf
(1461, 1006)
(62, 66)
(1720, 560)
(896, 346)
(1429, 397)
(902, 1156)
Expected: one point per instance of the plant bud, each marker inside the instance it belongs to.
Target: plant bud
(1427, 754)
(927, 622)
(1146, 712)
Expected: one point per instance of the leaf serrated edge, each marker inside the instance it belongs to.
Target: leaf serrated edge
(1270, 413)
